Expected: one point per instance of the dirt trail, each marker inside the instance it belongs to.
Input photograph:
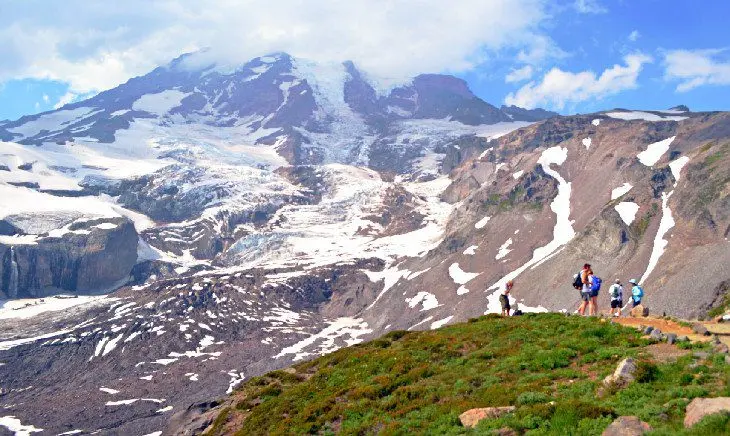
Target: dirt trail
(722, 330)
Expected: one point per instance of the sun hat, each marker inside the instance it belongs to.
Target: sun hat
(632, 281)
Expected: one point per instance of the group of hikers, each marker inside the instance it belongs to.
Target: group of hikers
(589, 286)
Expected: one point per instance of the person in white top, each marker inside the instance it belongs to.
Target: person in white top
(616, 292)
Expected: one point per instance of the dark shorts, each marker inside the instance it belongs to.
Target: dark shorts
(504, 301)
(616, 304)
(586, 296)
(635, 303)
(594, 293)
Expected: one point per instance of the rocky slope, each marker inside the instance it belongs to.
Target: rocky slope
(276, 211)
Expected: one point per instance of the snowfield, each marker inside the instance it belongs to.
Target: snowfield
(655, 151)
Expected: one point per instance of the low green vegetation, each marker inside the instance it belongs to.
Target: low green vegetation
(549, 366)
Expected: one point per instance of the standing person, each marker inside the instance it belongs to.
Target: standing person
(585, 293)
(595, 284)
(637, 293)
(616, 292)
(504, 298)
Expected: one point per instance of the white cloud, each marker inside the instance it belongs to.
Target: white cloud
(520, 74)
(559, 87)
(65, 99)
(589, 7)
(45, 98)
(695, 68)
(634, 35)
(95, 46)
(541, 49)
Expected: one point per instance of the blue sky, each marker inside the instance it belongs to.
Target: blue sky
(572, 56)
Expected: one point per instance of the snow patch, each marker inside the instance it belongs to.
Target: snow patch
(516, 175)
(587, 143)
(426, 299)
(646, 116)
(460, 276)
(121, 402)
(596, 122)
(159, 103)
(504, 249)
(109, 390)
(350, 329)
(676, 167)
(627, 210)
(482, 222)
(660, 244)
(13, 424)
(30, 307)
(654, 152)
(441, 322)
(471, 250)
(620, 191)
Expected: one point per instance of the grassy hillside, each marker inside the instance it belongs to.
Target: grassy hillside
(550, 366)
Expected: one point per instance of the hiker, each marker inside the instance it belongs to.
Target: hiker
(637, 293)
(616, 292)
(585, 276)
(504, 298)
(595, 283)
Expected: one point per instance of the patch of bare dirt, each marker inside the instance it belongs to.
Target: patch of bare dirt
(663, 352)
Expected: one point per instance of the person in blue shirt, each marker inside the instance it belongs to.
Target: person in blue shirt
(637, 293)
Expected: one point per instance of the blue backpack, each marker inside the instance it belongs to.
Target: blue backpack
(596, 284)
(637, 292)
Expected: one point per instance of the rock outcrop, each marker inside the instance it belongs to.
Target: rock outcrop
(624, 373)
(471, 417)
(627, 426)
(640, 311)
(85, 256)
(701, 407)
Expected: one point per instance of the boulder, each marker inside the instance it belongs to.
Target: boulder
(471, 417)
(721, 348)
(701, 407)
(640, 311)
(656, 335)
(627, 426)
(682, 338)
(624, 373)
(648, 330)
(700, 329)
(671, 338)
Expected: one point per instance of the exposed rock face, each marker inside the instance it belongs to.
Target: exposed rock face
(627, 426)
(698, 408)
(93, 256)
(471, 417)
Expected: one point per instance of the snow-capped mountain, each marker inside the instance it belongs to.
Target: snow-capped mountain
(252, 216)
(196, 156)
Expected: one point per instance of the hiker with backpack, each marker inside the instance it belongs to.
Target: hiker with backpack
(637, 293)
(584, 282)
(616, 292)
(504, 298)
(595, 283)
